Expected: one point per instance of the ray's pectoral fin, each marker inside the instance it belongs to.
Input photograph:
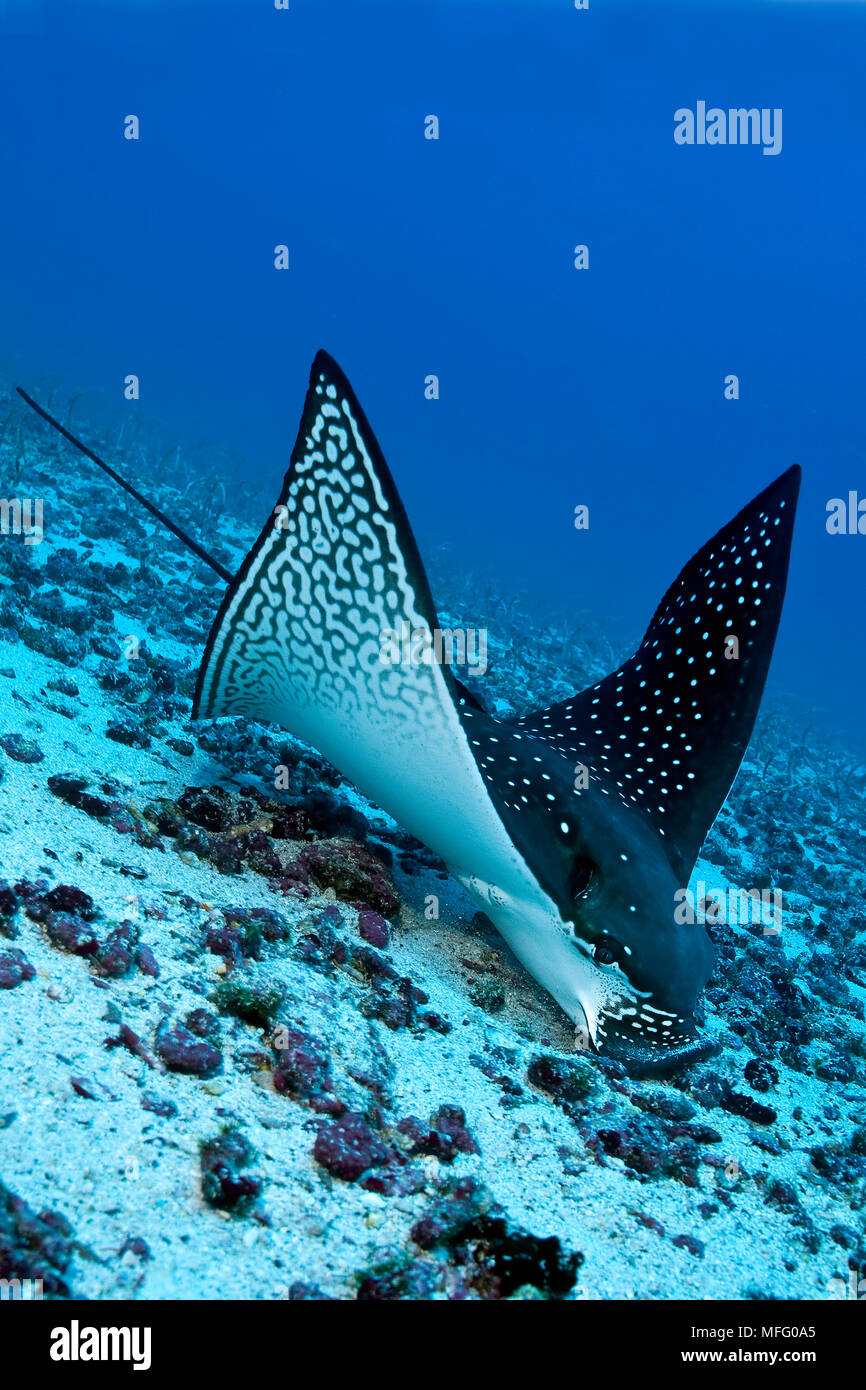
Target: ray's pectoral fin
(315, 628)
(327, 631)
(668, 730)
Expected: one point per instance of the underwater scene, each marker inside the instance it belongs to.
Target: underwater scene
(432, 772)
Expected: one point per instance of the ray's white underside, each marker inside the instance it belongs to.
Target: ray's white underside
(301, 645)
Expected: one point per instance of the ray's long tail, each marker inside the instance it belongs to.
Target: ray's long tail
(133, 492)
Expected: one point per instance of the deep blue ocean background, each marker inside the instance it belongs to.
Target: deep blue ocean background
(454, 257)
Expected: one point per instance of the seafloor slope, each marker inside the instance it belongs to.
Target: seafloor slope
(240, 1055)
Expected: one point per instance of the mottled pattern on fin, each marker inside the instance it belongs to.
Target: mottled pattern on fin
(298, 642)
(300, 629)
(668, 730)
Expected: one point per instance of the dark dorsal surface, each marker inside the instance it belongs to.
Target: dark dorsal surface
(668, 730)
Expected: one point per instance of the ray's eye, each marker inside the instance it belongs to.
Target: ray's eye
(606, 951)
(582, 877)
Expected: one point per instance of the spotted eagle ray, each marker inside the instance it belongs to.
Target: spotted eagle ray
(573, 826)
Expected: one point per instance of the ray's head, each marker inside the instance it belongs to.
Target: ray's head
(643, 971)
(611, 952)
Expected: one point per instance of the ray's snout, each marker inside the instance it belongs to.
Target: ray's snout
(650, 1059)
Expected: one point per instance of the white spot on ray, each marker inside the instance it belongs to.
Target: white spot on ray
(691, 661)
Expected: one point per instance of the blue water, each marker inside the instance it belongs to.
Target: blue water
(454, 257)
